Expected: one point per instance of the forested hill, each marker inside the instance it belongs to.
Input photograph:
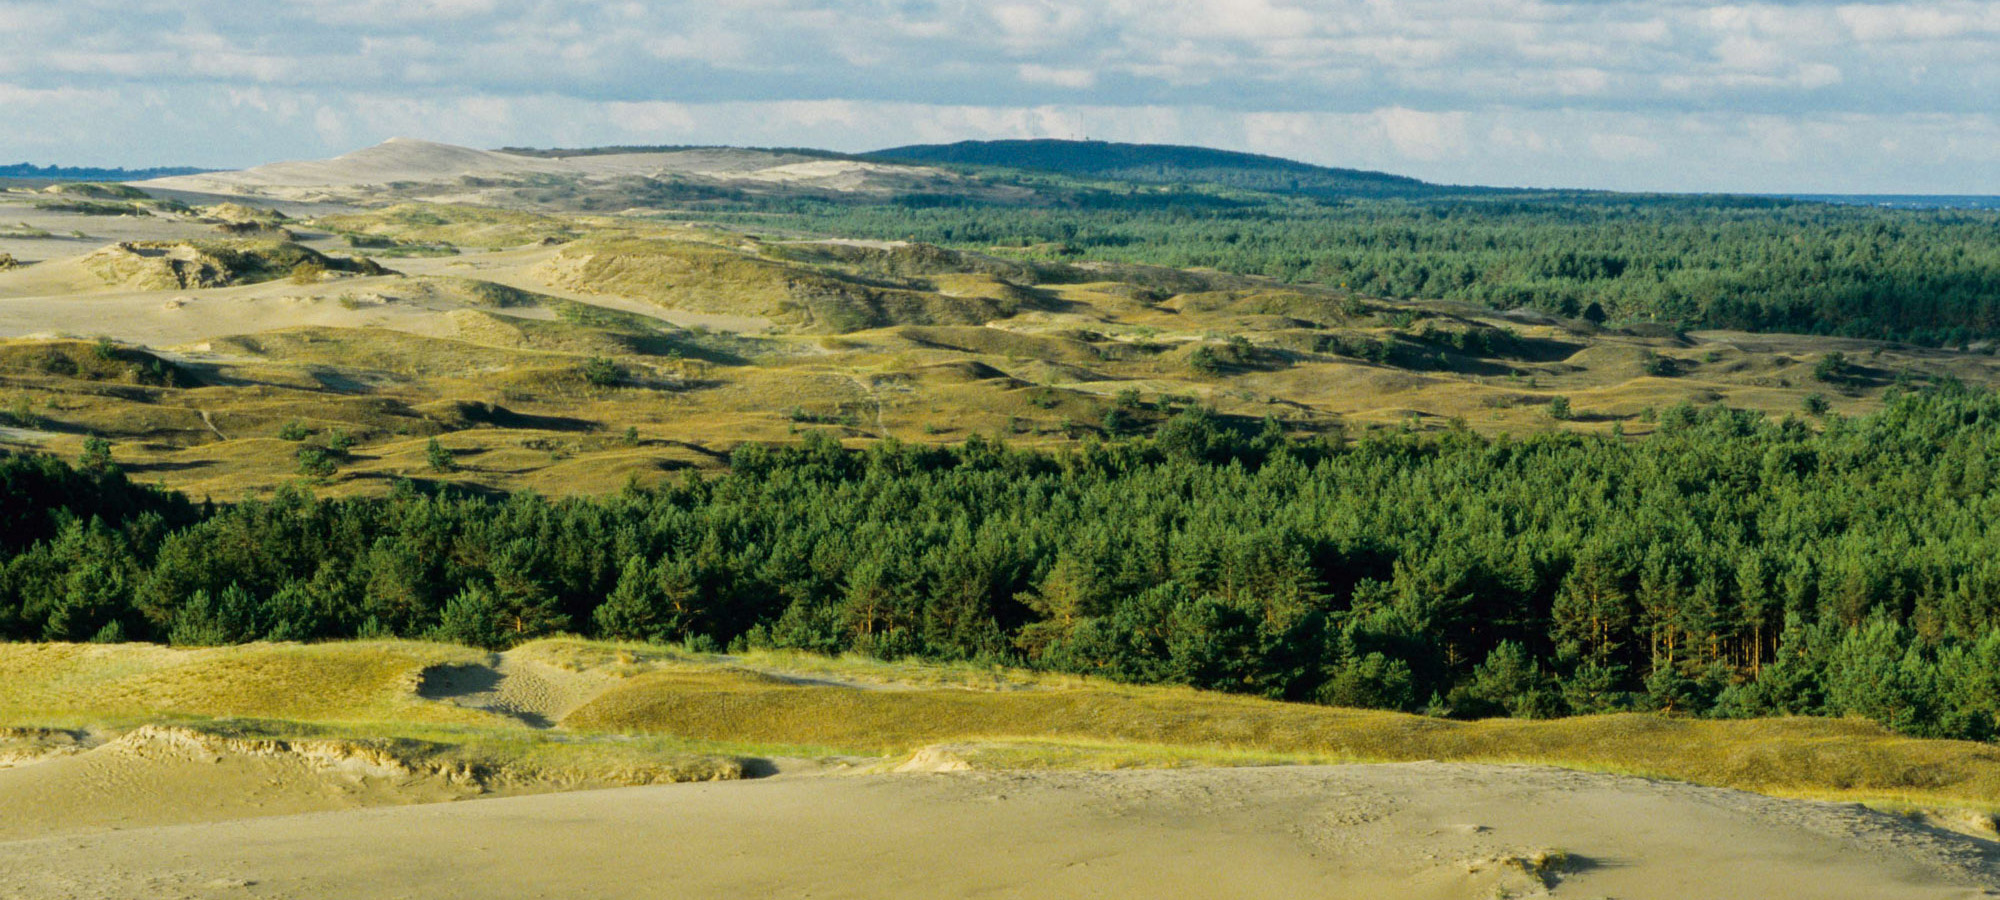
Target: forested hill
(1165, 164)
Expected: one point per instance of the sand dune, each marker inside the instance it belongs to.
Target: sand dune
(405, 162)
(174, 811)
(163, 776)
(398, 159)
(1415, 830)
(514, 685)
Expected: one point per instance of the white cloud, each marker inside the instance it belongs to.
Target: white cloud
(1068, 78)
(1422, 135)
(1400, 85)
(1622, 147)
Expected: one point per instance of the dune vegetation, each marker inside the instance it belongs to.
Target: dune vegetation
(1064, 472)
(1727, 567)
(648, 713)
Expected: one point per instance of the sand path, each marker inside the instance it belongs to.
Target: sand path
(1421, 830)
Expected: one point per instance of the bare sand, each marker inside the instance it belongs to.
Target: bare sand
(1422, 830)
(361, 175)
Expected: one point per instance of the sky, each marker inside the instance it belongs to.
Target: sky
(1675, 95)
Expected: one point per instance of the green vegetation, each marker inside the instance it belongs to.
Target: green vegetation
(169, 265)
(1751, 264)
(337, 699)
(657, 714)
(1726, 566)
(1156, 164)
(439, 458)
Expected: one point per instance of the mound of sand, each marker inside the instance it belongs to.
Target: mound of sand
(410, 165)
(398, 159)
(187, 265)
(95, 191)
(1420, 830)
(705, 278)
(224, 213)
(259, 230)
(161, 775)
(515, 685)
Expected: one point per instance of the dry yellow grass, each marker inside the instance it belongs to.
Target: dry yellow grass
(667, 714)
(364, 681)
(393, 360)
(1033, 722)
(359, 694)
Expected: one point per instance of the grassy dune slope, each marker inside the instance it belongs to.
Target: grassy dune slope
(1096, 724)
(652, 713)
(702, 338)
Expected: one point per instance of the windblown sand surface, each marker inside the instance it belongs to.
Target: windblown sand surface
(1421, 830)
(444, 168)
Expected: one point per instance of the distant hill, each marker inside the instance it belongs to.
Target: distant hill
(1167, 164)
(70, 173)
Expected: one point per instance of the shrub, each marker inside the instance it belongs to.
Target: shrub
(294, 430)
(1833, 368)
(602, 371)
(315, 463)
(308, 272)
(440, 459)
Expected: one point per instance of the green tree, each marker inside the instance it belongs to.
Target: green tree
(96, 455)
(473, 617)
(634, 610)
(439, 458)
(316, 463)
(1833, 368)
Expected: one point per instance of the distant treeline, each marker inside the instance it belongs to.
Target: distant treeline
(74, 173)
(1725, 566)
(1759, 264)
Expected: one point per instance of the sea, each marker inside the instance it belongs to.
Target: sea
(1904, 201)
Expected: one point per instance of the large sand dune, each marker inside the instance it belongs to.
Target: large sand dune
(360, 806)
(461, 173)
(1422, 830)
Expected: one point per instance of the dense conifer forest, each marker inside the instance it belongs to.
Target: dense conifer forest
(1728, 565)
(1929, 277)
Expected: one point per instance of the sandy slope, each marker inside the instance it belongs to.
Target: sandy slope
(163, 776)
(534, 692)
(407, 162)
(1416, 830)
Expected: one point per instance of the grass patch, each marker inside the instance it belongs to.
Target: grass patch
(669, 714)
(1097, 724)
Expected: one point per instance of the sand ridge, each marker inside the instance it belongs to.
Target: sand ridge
(407, 163)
